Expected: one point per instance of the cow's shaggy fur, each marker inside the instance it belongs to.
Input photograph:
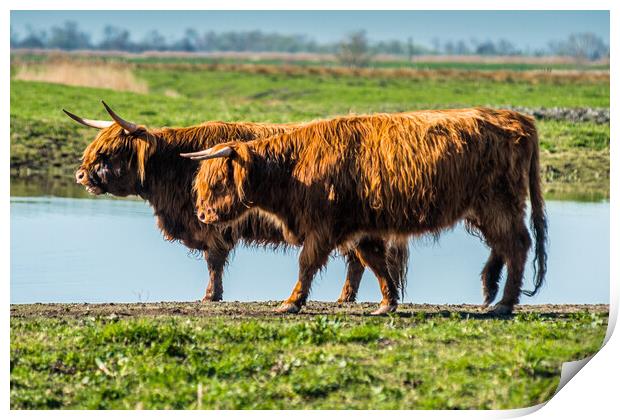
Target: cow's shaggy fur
(391, 174)
(147, 163)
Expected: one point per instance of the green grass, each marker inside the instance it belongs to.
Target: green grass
(319, 96)
(424, 362)
(557, 136)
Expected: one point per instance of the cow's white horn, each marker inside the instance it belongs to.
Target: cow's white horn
(89, 123)
(208, 154)
(128, 126)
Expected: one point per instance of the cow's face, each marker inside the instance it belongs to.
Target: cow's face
(218, 186)
(109, 164)
(115, 161)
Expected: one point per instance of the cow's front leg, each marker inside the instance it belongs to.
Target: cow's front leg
(216, 261)
(313, 256)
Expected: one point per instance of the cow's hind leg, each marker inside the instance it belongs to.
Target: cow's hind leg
(355, 270)
(513, 246)
(373, 253)
(490, 275)
(515, 255)
(216, 261)
(492, 270)
(313, 256)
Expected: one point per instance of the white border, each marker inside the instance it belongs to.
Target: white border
(592, 393)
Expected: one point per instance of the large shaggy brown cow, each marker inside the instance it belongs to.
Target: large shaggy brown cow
(126, 158)
(399, 175)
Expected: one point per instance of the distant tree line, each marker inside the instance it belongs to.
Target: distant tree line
(587, 46)
(354, 49)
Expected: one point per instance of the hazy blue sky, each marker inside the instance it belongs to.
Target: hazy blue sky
(533, 29)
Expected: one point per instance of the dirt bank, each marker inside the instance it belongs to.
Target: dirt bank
(265, 309)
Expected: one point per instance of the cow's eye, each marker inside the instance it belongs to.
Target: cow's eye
(219, 188)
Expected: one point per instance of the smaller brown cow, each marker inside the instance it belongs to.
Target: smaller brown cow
(389, 175)
(127, 158)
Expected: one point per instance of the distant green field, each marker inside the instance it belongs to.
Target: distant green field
(278, 98)
(432, 361)
(204, 96)
(185, 97)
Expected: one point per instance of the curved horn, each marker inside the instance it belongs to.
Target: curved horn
(128, 126)
(87, 122)
(208, 154)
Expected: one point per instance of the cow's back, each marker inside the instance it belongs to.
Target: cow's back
(420, 168)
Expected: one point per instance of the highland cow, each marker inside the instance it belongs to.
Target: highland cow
(396, 175)
(129, 159)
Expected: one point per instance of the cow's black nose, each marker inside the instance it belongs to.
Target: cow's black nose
(79, 176)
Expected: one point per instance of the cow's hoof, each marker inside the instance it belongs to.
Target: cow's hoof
(487, 301)
(287, 308)
(346, 299)
(501, 309)
(489, 296)
(211, 298)
(384, 309)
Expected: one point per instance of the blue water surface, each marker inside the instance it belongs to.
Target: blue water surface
(103, 250)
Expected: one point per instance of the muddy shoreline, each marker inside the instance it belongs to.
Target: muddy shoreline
(265, 310)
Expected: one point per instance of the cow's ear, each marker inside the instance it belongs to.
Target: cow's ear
(241, 152)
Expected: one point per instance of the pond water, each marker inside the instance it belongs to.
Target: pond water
(109, 250)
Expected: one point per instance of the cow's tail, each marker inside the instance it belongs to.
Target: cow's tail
(398, 262)
(538, 219)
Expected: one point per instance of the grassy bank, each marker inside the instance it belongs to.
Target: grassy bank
(44, 140)
(243, 356)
